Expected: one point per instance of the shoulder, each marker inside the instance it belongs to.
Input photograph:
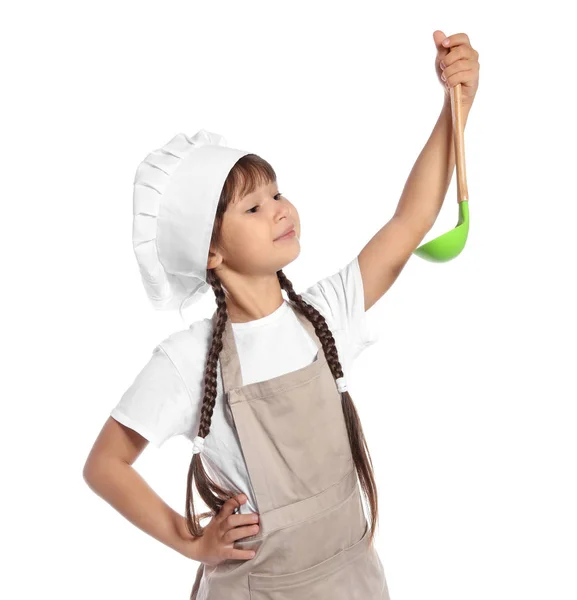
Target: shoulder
(194, 338)
(340, 298)
(338, 295)
(187, 350)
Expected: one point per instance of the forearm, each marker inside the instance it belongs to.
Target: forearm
(430, 177)
(119, 484)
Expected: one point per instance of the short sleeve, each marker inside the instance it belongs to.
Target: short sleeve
(340, 298)
(157, 405)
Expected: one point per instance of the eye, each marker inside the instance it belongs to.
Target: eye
(276, 197)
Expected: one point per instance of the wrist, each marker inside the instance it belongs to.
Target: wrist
(447, 111)
(465, 105)
(187, 544)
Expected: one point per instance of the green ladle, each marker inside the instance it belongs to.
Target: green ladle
(450, 244)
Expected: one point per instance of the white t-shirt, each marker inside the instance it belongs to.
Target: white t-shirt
(166, 397)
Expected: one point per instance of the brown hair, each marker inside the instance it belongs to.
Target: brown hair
(249, 172)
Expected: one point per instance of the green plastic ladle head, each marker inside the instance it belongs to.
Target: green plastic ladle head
(449, 245)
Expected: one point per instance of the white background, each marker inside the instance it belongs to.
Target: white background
(467, 400)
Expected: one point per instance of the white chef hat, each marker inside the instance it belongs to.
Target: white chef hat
(176, 193)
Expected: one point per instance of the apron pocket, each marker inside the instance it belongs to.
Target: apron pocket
(354, 572)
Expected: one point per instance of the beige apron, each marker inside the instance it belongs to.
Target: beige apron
(313, 536)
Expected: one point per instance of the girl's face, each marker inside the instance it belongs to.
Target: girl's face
(249, 230)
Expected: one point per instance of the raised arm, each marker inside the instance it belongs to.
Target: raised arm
(385, 255)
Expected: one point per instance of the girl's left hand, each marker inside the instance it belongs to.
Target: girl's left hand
(459, 65)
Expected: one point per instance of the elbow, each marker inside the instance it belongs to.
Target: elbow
(88, 473)
(93, 471)
(99, 468)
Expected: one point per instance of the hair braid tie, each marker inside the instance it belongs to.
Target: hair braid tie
(341, 384)
(198, 444)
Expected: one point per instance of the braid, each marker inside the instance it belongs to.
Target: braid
(359, 449)
(213, 495)
(318, 321)
(210, 374)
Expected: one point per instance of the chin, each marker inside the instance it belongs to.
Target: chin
(290, 257)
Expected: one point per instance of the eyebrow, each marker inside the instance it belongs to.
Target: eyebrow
(245, 198)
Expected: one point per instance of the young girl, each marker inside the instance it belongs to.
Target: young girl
(279, 455)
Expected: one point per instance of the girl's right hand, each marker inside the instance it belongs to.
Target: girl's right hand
(217, 542)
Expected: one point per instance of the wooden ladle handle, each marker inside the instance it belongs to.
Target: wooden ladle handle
(459, 142)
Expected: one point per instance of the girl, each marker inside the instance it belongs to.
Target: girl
(279, 455)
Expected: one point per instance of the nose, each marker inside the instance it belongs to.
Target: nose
(283, 210)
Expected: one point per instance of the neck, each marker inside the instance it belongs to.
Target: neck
(243, 314)
(248, 299)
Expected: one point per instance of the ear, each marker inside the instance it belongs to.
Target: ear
(214, 259)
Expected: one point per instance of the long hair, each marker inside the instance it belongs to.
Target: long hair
(249, 172)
